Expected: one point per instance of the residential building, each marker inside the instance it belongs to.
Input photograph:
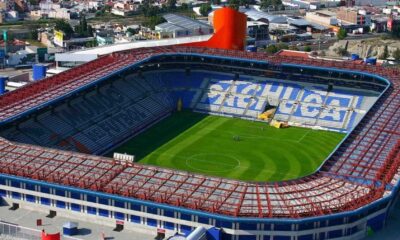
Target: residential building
(180, 26)
(257, 30)
(354, 16)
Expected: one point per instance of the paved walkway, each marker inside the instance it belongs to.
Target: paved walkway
(88, 231)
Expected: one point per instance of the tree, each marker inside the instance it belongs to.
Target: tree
(385, 53)
(34, 34)
(152, 21)
(234, 4)
(34, 2)
(307, 49)
(396, 31)
(184, 6)
(216, 2)
(83, 29)
(205, 9)
(341, 51)
(281, 46)
(396, 54)
(244, 2)
(107, 8)
(92, 43)
(272, 49)
(99, 13)
(33, 31)
(171, 4)
(266, 4)
(342, 34)
(148, 9)
(64, 26)
(132, 31)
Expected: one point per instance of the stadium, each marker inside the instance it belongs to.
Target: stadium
(204, 155)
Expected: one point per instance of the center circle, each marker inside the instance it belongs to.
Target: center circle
(212, 162)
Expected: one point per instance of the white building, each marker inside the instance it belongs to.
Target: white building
(312, 4)
(49, 5)
(265, 17)
(51, 10)
(325, 18)
(61, 13)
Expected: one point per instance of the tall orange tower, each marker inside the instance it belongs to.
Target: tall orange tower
(229, 30)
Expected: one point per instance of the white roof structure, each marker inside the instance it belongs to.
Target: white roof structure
(258, 15)
(185, 22)
(169, 27)
(92, 53)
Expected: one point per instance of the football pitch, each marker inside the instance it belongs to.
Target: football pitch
(231, 147)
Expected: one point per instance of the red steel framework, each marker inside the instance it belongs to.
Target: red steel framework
(357, 174)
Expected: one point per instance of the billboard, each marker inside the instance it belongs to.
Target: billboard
(58, 38)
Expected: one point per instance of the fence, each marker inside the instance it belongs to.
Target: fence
(9, 231)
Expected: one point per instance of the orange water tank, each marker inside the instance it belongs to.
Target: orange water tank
(229, 30)
(46, 236)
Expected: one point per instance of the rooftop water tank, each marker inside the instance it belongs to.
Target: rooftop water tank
(3, 81)
(251, 48)
(355, 56)
(39, 71)
(370, 60)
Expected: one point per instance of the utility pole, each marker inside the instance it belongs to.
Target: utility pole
(5, 38)
(319, 43)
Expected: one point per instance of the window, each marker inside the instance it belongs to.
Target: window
(247, 226)
(169, 225)
(168, 213)
(91, 210)
(15, 184)
(16, 195)
(29, 186)
(60, 204)
(75, 207)
(91, 198)
(186, 217)
(119, 204)
(76, 195)
(45, 201)
(30, 198)
(60, 193)
(44, 189)
(135, 219)
(119, 216)
(103, 212)
(103, 201)
(151, 222)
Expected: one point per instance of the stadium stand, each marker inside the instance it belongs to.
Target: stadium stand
(95, 121)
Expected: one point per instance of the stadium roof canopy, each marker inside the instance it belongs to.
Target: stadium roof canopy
(92, 53)
(363, 170)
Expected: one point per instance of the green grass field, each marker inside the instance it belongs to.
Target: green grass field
(206, 144)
